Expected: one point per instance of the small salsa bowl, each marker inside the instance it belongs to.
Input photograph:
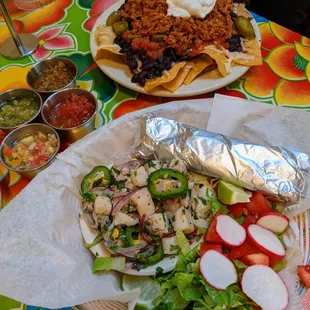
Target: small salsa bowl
(36, 72)
(20, 93)
(70, 134)
(20, 133)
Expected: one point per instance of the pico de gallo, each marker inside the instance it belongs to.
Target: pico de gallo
(71, 112)
(30, 152)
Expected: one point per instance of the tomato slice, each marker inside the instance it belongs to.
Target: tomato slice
(210, 246)
(211, 234)
(304, 274)
(238, 209)
(7, 152)
(255, 259)
(248, 247)
(258, 204)
(249, 219)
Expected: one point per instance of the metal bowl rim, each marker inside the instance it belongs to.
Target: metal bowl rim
(58, 89)
(39, 111)
(67, 90)
(34, 169)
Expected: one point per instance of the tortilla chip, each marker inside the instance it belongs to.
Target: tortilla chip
(241, 11)
(177, 82)
(198, 65)
(251, 56)
(220, 59)
(104, 37)
(165, 78)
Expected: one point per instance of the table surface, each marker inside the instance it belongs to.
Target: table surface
(63, 28)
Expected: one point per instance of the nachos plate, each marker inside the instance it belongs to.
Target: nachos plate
(212, 69)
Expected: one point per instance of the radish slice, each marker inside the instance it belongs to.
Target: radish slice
(264, 286)
(217, 270)
(230, 231)
(275, 222)
(266, 241)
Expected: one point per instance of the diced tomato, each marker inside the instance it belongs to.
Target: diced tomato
(7, 152)
(38, 161)
(273, 260)
(248, 247)
(249, 219)
(211, 234)
(304, 274)
(258, 204)
(255, 259)
(238, 209)
(210, 246)
(40, 145)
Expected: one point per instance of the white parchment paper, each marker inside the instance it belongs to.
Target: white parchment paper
(43, 261)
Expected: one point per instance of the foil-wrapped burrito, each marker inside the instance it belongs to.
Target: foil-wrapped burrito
(272, 170)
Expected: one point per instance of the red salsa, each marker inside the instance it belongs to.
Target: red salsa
(71, 112)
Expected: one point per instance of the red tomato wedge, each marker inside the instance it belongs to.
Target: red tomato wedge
(7, 152)
(304, 274)
(255, 259)
(238, 210)
(211, 234)
(210, 246)
(248, 247)
(273, 260)
(258, 204)
(249, 219)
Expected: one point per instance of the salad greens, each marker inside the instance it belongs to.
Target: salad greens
(185, 288)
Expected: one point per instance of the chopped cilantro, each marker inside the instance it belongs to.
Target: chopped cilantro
(159, 271)
(116, 171)
(203, 200)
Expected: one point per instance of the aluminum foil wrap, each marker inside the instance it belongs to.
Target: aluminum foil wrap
(273, 170)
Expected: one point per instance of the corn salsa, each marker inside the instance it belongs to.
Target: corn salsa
(54, 77)
(71, 112)
(32, 151)
(17, 111)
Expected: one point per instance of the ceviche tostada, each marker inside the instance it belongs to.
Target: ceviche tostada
(229, 241)
(169, 43)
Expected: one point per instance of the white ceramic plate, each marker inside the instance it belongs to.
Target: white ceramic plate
(115, 68)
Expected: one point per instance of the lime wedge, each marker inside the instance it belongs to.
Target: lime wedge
(230, 194)
(150, 290)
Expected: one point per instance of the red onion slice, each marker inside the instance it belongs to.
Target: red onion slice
(145, 237)
(169, 235)
(118, 206)
(133, 164)
(130, 253)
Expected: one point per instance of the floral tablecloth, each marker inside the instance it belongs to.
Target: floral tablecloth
(63, 28)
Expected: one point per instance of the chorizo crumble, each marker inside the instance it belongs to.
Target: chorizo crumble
(186, 36)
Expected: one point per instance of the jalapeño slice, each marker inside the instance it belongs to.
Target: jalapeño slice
(99, 176)
(167, 183)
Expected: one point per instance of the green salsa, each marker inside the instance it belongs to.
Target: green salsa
(17, 111)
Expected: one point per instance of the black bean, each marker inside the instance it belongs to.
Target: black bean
(142, 77)
(235, 44)
(233, 15)
(161, 59)
(149, 66)
(134, 78)
(150, 74)
(168, 67)
(157, 73)
(133, 64)
(161, 67)
(124, 49)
